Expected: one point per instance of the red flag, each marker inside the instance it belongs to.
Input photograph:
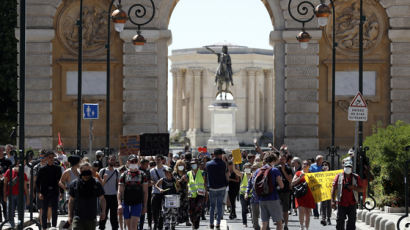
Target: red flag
(59, 140)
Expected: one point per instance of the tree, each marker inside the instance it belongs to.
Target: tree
(8, 70)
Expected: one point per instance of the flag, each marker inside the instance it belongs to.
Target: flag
(59, 140)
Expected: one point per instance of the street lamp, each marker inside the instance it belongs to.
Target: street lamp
(119, 18)
(322, 13)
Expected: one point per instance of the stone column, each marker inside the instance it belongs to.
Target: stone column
(251, 99)
(269, 87)
(400, 81)
(197, 73)
(258, 89)
(39, 103)
(178, 75)
(150, 95)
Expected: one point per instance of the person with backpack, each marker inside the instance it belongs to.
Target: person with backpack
(132, 196)
(284, 194)
(266, 180)
(250, 195)
(196, 193)
(156, 174)
(345, 196)
(109, 177)
(303, 196)
(167, 186)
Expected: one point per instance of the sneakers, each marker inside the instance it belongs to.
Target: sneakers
(323, 222)
(211, 226)
(302, 227)
(328, 222)
(285, 227)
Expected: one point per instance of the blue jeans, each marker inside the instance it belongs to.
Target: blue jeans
(216, 199)
(13, 206)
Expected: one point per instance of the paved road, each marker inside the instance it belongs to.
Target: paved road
(237, 223)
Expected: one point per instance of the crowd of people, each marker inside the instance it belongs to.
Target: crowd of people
(179, 189)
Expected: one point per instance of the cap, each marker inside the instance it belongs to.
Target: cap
(247, 165)
(99, 152)
(167, 169)
(132, 157)
(175, 155)
(348, 164)
(218, 151)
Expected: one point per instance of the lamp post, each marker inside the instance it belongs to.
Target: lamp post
(80, 76)
(322, 12)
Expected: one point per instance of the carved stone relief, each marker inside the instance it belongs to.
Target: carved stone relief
(347, 26)
(94, 26)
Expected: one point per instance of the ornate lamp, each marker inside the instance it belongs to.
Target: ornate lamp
(138, 41)
(304, 38)
(322, 12)
(119, 17)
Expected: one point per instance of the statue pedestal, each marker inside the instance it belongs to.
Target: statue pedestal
(223, 125)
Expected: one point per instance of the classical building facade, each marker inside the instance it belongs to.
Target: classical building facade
(193, 72)
(301, 77)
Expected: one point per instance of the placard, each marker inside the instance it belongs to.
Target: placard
(237, 156)
(129, 145)
(154, 143)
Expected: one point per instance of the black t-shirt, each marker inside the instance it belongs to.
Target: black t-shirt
(85, 194)
(47, 179)
(169, 185)
(133, 191)
(4, 165)
(289, 171)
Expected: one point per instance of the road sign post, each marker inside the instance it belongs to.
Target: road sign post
(90, 112)
(358, 109)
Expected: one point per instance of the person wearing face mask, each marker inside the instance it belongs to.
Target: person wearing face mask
(196, 193)
(82, 205)
(345, 196)
(156, 202)
(325, 206)
(245, 175)
(109, 177)
(182, 185)
(306, 202)
(133, 187)
(144, 166)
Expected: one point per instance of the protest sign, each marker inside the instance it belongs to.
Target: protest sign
(237, 156)
(320, 184)
(154, 143)
(129, 145)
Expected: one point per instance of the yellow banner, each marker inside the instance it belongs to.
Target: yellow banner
(320, 184)
(237, 156)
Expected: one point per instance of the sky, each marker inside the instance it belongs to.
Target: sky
(196, 23)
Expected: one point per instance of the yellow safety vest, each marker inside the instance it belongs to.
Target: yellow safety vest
(196, 186)
(244, 184)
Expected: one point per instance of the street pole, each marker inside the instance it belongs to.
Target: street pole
(80, 77)
(108, 46)
(360, 124)
(22, 90)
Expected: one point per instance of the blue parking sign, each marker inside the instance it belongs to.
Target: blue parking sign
(90, 111)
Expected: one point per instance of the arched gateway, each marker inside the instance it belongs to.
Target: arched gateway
(139, 80)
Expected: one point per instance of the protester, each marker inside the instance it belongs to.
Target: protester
(48, 189)
(94, 171)
(144, 167)
(269, 203)
(9, 156)
(70, 174)
(39, 203)
(306, 202)
(121, 223)
(133, 187)
(61, 156)
(296, 166)
(284, 194)
(217, 182)
(82, 205)
(345, 196)
(254, 201)
(316, 167)
(156, 203)
(110, 177)
(196, 191)
(99, 159)
(4, 166)
(245, 203)
(325, 206)
(182, 185)
(13, 182)
(167, 186)
(234, 183)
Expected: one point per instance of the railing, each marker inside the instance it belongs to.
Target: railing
(406, 193)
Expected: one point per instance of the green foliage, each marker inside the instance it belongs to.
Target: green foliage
(8, 69)
(388, 157)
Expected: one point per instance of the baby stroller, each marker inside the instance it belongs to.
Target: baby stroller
(170, 211)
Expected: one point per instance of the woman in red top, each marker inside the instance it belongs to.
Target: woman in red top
(306, 202)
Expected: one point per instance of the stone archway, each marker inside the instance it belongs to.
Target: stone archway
(144, 106)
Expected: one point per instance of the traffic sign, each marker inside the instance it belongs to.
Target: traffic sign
(90, 111)
(358, 109)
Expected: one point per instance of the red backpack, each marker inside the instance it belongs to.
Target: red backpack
(263, 184)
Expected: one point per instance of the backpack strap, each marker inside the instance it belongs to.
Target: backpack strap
(156, 171)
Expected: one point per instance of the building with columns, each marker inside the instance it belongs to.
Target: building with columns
(301, 78)
(193, 71)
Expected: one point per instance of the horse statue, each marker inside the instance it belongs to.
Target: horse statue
(223, 73)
